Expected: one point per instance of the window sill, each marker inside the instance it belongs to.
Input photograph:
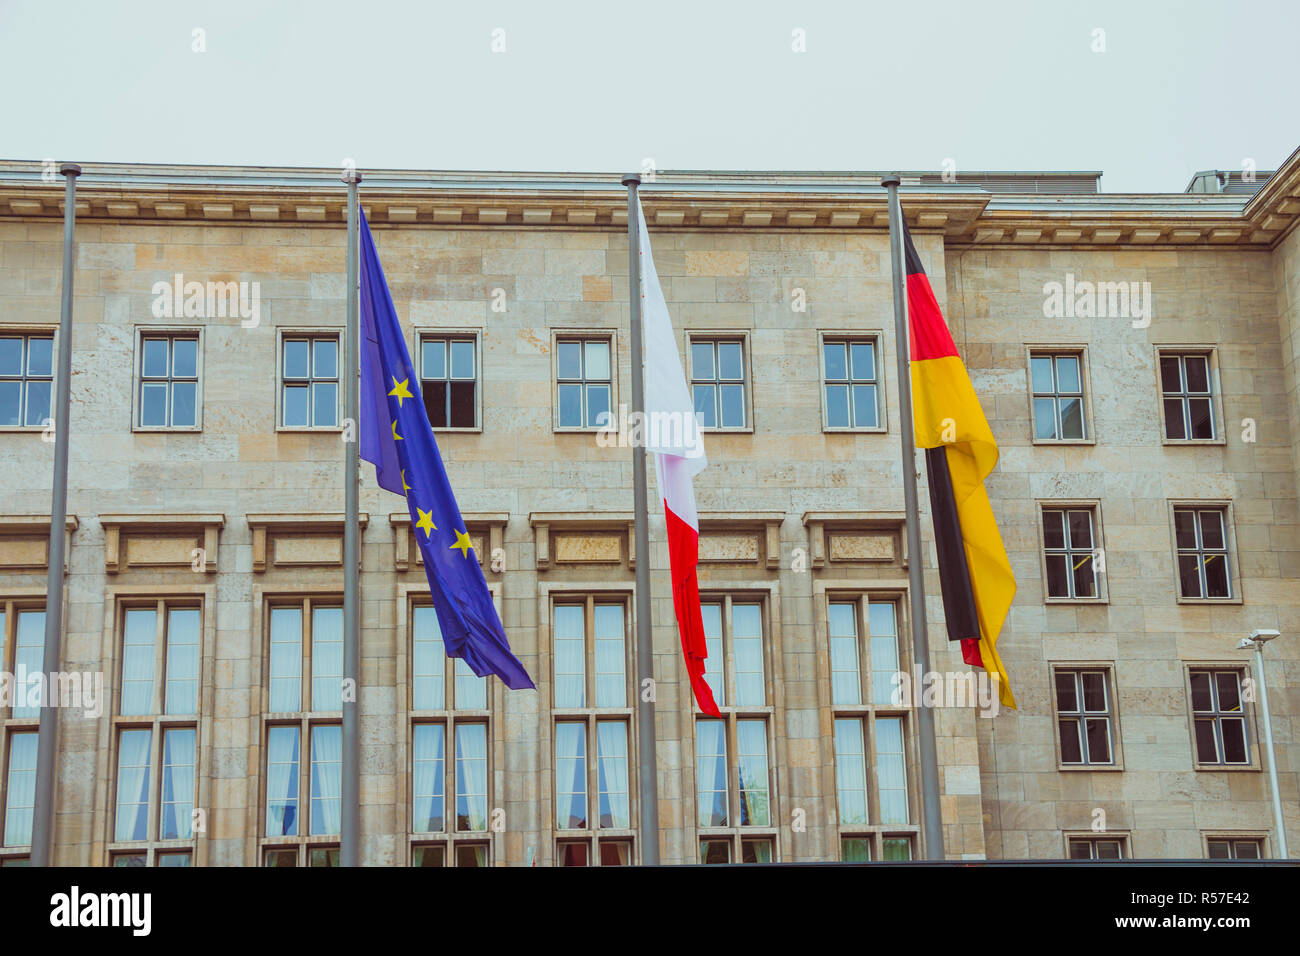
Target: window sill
(309, 429)
(1090, 767)
(832, 430)
(1084, 602)
(1067, 442)
(451, 430)
(164, 429)
(1227, 768)
(18, 429)
(1193, 442)
(727, 431)
(1193, 602)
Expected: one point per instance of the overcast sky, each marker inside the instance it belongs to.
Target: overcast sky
(690, 84)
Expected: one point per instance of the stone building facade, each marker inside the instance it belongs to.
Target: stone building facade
(206, 490)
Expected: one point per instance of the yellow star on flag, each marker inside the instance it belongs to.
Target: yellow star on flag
(405, 486)
(401, 390)
(463, 543)
(396, 437)
(426, 522)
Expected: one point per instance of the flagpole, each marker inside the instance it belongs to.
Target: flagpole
(647, 762)
(350, 792)
(931, 818)
(48, 731)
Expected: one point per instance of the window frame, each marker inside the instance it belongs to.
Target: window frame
(1100, 577)
(285, 333)
(1250, 733)
(25, 332)
(1056, 350)
(584, 335)
(836, 336)
(715, 336)
(1107, 669)
(1232, 837)
(1229, 540)
(170, 333)
(1218, 423)
(420, 334)
(1122, 837)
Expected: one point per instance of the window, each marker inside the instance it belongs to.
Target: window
(309, 393)
(22, 649)
(1200, 536)
(1234, 848)
(593, 720)
(156, 732)
(319, 854)
(290, 785)
(733, 768)
(851, 383)
(1070, 553)
(306, 653)
(1097, 848)
(168, 381)
(718, 382)
(448, 751)
(1083, 717)
(1056, 381)
(584, 384)
(449, 380)
(1186, 396)
(869, 730)
(1218, 717)
(20, 788)
(26, 379)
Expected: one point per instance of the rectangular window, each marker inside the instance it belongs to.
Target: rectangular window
(20, 789)
(26, 379)
(1229, 848)
(310, 382)
(605, 642)
(612, 774)
(733, 634)
(28, 656)
(449, 380)
(848, 663)
(471, 777)
(326, 764)
(429, 670)
(851, 771)
(305, 640)
(176, 819)
(133, 785)
(855, 849)
(1069, 553)
(571, 776)
(851, 383)
(1097, 848)
(326, 658)
(1186, 396)
(177, 631)
(584, 385)
(751, 764)
(168, 379)
(1219, 718)
(282, 780)
(711, 772)
(1083, 717)
(1200, 535)
(1056, 381)
(718, 382)
(891, 770)
(428, 781)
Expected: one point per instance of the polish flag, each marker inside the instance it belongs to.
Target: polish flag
(673, 434)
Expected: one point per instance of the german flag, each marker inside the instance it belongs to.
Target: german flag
(974, 573)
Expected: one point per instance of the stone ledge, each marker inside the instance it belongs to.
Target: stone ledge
(159, 540)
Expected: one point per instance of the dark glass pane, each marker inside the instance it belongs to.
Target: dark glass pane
(597, 404)
(433, 361)
(1219, 850)
(733, 406)
(1040, 374)
(855, 849)
(1080, 530)
(729, 365)
(38, 402)
(1108, 850)
(1207, 750)
(287, 857)
(1080, 850)
(155, 358)
(837, 406)
(1072, 418)
(295, 405)
(1071, 752)
(615, 853)
(705, 410)
(462, 360)
(325, 397)
(1189, 576)
(40, 355)
(1098, 739)
(183, 403)
(1216, 576)
(570, 406)
(325, 358)
(324, 856)
(1198, 373)
(896, 848)
(435, 403)
(462, 403)
(295, 358)
(1094, 692)
(834, 356)
(1211, 530)
(471, 854)
(429, 856)
(1085, 580)
(1045, 418)
(1234, 739)
(153, 404)
(595, 361)
(185, 358)
(1174, 427)
(129, 859)
(715, 851)
(1202, 701)
(1067, 375)
(1067, 698)
(1229, 692)
(1247, 850)
(864, 406)
(569, 359)
(755, 851)
(10, 399)
(1058, 576)
(1170, 379)
(173, 859)
(573, 854)
(864, 361)
(1202, 418)
(702, 361)
(1185, 528)
(1053, 528)
(11, 356)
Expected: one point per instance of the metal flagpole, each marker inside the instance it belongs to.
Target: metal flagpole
(647, 764)
(350, 837)
(48, 732)
(931, 820)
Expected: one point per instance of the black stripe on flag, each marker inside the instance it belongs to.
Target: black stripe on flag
(954, 575)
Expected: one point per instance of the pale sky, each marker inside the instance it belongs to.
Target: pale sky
(689, 84)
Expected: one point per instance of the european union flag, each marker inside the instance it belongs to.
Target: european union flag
(397, 438)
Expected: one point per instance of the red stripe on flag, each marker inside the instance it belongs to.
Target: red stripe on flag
(683, 555)
(927, 330)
